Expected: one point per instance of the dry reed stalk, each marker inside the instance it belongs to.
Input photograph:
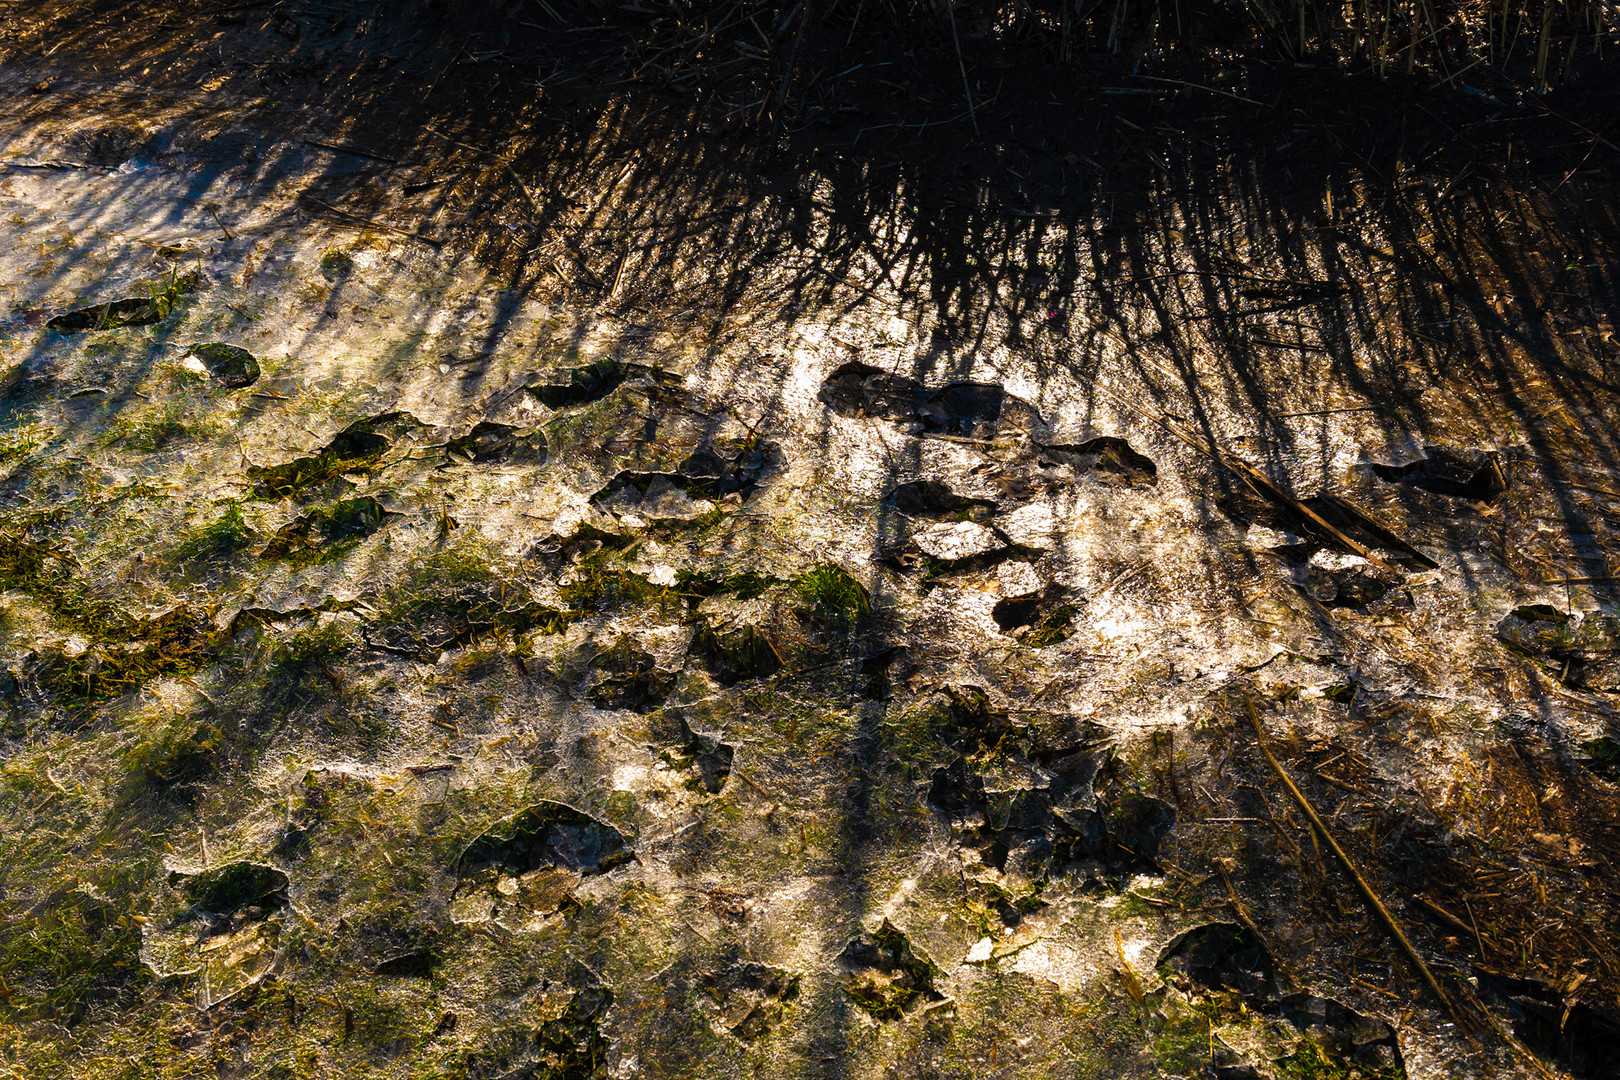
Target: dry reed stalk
(1466, 1021)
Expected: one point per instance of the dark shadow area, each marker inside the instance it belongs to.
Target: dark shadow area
(1244, 233)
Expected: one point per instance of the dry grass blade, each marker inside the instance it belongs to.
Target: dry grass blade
(534, 204)
(973, 113)
(1242, 911)
(1264, 487)
(329, 208)
(1128, 975)
(1375, 906)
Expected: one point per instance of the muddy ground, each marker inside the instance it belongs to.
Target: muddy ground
(537, 545)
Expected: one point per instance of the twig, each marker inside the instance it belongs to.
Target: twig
(744, 108)
(1579, 127)
(55, 783)
(510, 171)
(1448, 918)
(618, 276)
(793, 57)
(1117, 582)
(213, 213)
(1264, 487)
(337, 148)
(1277, 343)
(200, 692)
(45, 165)
(1251, 475)
(973, 115)
(1326, 412)
(744, 777)
(1243, 916)
(1206, 89)
(1374, 904)
(428, 240)
(724, 22)
(611, 188)
(1478, 941)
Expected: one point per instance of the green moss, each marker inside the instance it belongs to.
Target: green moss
(887, 977)
(744, 654)
(180, 754)
(1312, 1061)
(601, 583)
(1184, 1040)
(929, 571)
(153, 429)
(68, 958)
(1008, 904)
(126, 650)
(453, 598)
(356, 448)
(230, 364)
(21, 442)
(744, 586)
(108, 346)
(228, 889)
(161, 299)
(170, 645)
(1603, 756)
(380, 1017)
(328, 533)
(572, 1046)
(585, 384)
(916, 734)
(961, 718)
(336, 264)
(1055, 626)
(316, 647)
(224, 536)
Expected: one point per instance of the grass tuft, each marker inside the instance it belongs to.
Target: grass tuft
(224, 536)
(833, 591)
